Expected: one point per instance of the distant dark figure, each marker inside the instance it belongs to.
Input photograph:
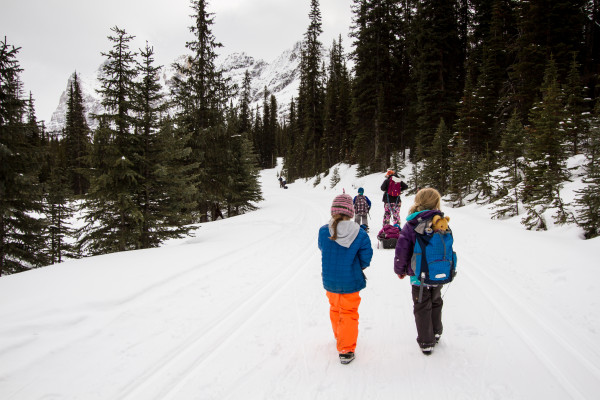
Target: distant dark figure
(282, 183)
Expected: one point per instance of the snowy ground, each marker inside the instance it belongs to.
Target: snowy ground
(238, 311)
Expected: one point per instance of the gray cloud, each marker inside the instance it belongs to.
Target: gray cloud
(58, 37)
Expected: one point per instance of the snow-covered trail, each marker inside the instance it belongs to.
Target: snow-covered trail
(239, 311)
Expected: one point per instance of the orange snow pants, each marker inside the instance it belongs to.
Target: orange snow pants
(343, 312)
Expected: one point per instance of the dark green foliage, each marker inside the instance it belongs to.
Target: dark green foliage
(58, 206)
(336, 142)
(511, 153)
(461, 170)
(588, 198)
(546, 170)
(21, 232)
(575, 107)
(438, 61)
(436, 165)
(113, 214)
(245, 118)
(545, 28)
(311, 93)
(264, 135)
(380, 104)
(76, 139)
(292, 162)
(200, 94)
(243, 188)
(165, 194)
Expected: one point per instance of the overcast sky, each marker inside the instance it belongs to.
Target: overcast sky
(58, 37)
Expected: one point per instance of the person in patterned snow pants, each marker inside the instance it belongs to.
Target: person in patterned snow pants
(392, 186)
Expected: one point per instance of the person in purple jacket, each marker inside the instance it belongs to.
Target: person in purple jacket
(428, 312)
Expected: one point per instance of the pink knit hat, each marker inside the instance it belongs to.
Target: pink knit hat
(342, 204)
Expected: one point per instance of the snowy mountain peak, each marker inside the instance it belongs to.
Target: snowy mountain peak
(281, 77)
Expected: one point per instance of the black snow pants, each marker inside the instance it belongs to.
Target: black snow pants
(428, 314)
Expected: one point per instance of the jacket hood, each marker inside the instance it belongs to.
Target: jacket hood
(425, 214)
(346, 232)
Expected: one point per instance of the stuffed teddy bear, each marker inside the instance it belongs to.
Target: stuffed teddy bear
(439, 224)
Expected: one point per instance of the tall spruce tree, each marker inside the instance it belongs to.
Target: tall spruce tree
(546, 155)
(438, 60)
(510, 161)
(378, 63)
(292, 161)
(461, 170)
(336, 141)
(245, 117)
(242, 170)
(436, 164)
(575, 107)
(310, 93)
(200, 94)
(265, 137)
(21, 233)
(76, 138)
(58, 205)
(161, 196)
(588, 198)
(545, 28)
(113, 215)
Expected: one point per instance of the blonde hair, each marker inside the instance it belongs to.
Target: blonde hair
(336, 220)
(426, 199)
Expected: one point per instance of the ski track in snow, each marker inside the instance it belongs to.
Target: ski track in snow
(238, 311)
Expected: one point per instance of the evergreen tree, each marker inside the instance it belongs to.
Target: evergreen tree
(275, 128)
(161, 197)
(335, 178)
(545, 28)
(266, 136)
(244, 189)
(380, 76)
(21, 234)
(336, 141)
(588, 198)
(58, 206)
(76, 138)
(483, 180)
(113, 214)
(575, 123)
(435, 169)
(437, 65)
(292, 161)
(417, 181)
(245, 118)
(545, 153)
(200, 93)
(465, 140)
(511, 153)
(310, 93)
(461, 170)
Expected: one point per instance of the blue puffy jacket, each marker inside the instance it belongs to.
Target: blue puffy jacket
(342, 266)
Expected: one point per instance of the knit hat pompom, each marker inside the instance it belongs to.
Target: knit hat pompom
(342, 204)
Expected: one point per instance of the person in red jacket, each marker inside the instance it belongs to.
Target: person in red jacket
(392, 186)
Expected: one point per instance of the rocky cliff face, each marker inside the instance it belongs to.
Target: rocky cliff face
(281, 77)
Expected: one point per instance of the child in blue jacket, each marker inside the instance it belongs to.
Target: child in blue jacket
(345, 251)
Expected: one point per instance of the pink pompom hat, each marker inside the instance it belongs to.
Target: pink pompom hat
(342, 204)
